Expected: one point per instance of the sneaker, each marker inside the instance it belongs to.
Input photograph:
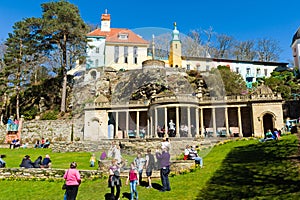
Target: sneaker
(149, 187)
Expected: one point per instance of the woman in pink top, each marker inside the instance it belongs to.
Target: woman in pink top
(73, 181)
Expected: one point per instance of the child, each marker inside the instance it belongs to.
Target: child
(92, 160)
(134, 181)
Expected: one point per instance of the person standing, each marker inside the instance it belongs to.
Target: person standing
(150, 163)
(73, 181)
(139, 162)
(114, 179)
(164, 159)
(134, 181)
(92, 160)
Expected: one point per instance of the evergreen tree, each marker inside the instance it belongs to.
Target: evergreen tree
(64, 32)
(20, 57)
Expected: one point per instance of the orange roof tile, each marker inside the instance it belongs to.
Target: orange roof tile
(113, 36)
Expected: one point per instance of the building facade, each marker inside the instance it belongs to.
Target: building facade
(119, 48)
(296, 48)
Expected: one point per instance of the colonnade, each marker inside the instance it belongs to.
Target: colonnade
(153, 119)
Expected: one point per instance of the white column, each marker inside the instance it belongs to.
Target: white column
(155, 122)
(197, 122)
(213, 110)
(177, 122)
(166, 122)
(117, 124)
(148, 128)
(137, 124)
(226, 122)
(127, 124)
(202, 122)
(240, 122)
(188, 110)
(151, 123)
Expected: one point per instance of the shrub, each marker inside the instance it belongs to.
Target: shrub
(49, 115)
(31, 113)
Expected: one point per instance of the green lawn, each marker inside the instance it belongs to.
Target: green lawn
(243, 169)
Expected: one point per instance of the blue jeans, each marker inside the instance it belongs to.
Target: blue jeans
(133, 190)
(164, 175)
(199, 160)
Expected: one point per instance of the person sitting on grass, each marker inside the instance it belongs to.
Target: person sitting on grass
(46, 144)
(26, 162)
(46, 163)
(38, 162)
(2, 162)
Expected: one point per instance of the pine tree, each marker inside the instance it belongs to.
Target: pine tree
(64, 31)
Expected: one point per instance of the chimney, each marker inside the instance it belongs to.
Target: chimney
(105, 21)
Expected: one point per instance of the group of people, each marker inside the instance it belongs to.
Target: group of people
(38, 163)
(15, 143)
(42, 144)
(137, 167)
(183, 130)
(190, 153)
(275, 135)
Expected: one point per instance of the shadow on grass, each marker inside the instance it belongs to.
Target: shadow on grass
(259, 171)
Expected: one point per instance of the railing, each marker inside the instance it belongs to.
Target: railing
(186, 98)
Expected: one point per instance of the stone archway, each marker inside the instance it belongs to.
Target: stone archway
(268, 122)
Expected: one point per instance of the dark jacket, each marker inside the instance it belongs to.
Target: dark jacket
(37, 163)
(26, 163)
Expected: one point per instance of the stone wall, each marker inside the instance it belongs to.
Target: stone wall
(177, 167)
(54, 130)
(40, 173)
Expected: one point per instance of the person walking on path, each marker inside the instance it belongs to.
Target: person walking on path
(164, 159)
(134, 181)
(73, 181)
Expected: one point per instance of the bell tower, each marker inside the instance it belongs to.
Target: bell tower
(105, 21)
(175, 49)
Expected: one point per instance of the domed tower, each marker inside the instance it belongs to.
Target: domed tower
(175, 49)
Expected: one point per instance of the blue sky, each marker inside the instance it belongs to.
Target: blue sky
(244, 20)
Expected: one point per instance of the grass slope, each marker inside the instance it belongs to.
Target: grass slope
(235, 170)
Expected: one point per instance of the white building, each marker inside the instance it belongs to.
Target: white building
(296, 48)
(119, 48)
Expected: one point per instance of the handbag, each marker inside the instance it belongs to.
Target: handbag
(64, 186)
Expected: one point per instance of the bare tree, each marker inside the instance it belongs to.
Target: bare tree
(223, 46)
(244, 50)
(267, 49)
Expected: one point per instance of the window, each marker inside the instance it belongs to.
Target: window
(125, 54)
(258, 71)
(135, 54)
(207, 67)
(176, 46)
(97, 50)
(123, 36)
(248, 71)
(237, 70)
(135, 60)
(266, 72)
(188, 67)
(96, 63)
(116, 56)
